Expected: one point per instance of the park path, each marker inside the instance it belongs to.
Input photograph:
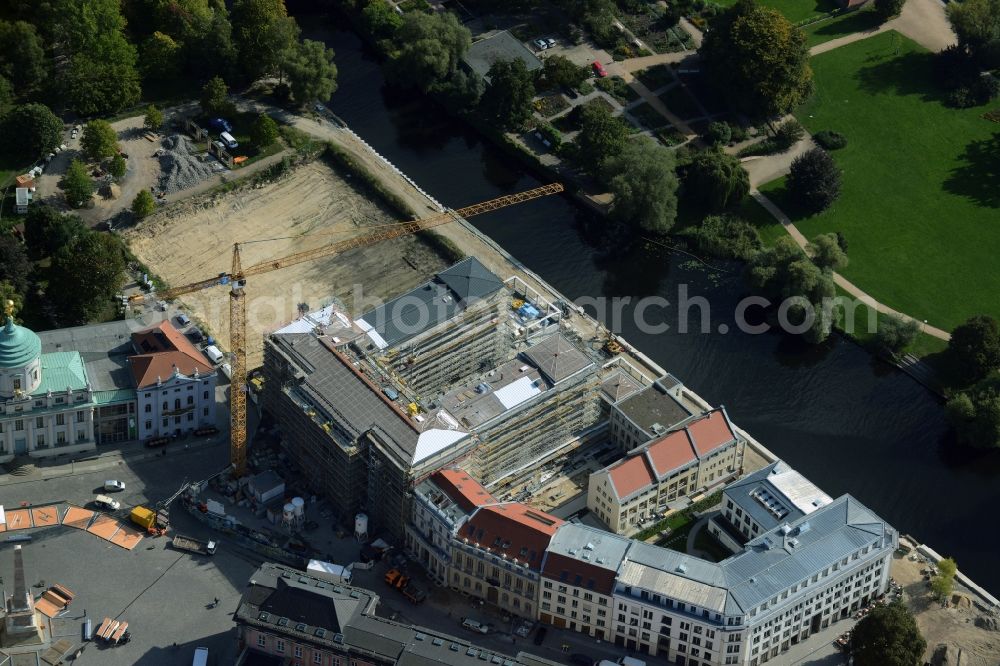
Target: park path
(839, 279)
(923, 21)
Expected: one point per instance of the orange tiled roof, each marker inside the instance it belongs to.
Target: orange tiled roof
(631, 474)
(513, 529)
(672, 451)
(462, 488)
(161, 349)
(710, 432)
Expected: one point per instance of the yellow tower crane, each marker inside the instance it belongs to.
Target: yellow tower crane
(236, 280)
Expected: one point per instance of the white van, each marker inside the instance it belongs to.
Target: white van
(213, 354)
(631, 661)
(228, 139)
(108, 503)
(472, 625)
(200, 657)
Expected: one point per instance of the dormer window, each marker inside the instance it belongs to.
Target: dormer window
(17, 383)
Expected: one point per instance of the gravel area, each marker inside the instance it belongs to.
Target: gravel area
(181, 165)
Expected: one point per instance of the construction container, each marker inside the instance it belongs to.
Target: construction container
(143, 517)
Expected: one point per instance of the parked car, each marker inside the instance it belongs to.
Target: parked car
(472, 625)
(550, 43)
(107, 503)
(599, 69)
(114, 486)
(540, 635)
(183, 319)
(540, 44)
(220, 124)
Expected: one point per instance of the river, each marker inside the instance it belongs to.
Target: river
(849, 423)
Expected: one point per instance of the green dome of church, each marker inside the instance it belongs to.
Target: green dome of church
(19, 346)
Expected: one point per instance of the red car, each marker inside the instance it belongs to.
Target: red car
(599, 69)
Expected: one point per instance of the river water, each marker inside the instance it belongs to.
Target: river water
(849, 423)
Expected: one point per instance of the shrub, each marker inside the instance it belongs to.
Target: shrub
(789, 132)
(143, 204)
(814, 180)
(717, 133)
(960, 98)
(895, 333)
(830, 140)
(726, 236)
(886, 9)
(585, 88)
(737, 133)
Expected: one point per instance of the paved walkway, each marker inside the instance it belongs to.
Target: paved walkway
(839, 279)
(923, 21)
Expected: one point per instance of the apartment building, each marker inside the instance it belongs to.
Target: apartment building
(782, 587)
(705, 451)
(646, 414)
(497, 555)
(761, 501)
(578, 579)
(441, 504)
(287, 617)
(446, 329)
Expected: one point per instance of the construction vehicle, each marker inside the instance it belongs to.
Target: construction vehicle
(196, 546)
(396, 578)
(414, 593)
(237, 276)
(155, 523)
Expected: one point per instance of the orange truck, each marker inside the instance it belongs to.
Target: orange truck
(153, 522)
(395, 578)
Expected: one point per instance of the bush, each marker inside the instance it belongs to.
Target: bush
(886, 9)
(717, 133)
(737, 133)
(814, 180)
(830, 140)
(585, 88)
(894, 334)
(980, 92)
(784, 137)
(726, 237)
(143, 204)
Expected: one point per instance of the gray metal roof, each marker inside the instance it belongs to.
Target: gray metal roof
(653, 405)
(436, 301)
(105, 349)
(590, 545)
(338, 391)
(776, 494)
(501, 46)
(557, 358)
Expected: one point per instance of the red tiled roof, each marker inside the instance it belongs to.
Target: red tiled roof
(630, 475)
(462, 488)
(670, 452)
(581, 574)
(513, 529)
(161, 349)
(710, 432)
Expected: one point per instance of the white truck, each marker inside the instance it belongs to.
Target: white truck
(196, 546)
(328, 571)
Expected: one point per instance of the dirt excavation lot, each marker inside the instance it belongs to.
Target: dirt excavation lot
(194, 241)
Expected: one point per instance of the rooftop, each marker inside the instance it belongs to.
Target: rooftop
(618, 386)
(557, 358)
(500, 390)
(653, 406)
(462, 488)
(19, 346)
(330, 320)
(104, 348)
(776, 493)
(62, 371)
(436, 301)
(162, 349)
(515, 530)
(585, 557)
(501, 46)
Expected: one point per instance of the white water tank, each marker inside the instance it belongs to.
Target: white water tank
(288, 513)
(360, 525)
(299, 506)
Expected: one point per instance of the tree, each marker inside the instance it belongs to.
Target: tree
(143, 204)
(941, 586)
(264, 131)
(263, 33)
(814, 180)
(214, 97)
(30, 131)
(15, 267)
(644, 185)
(77, 184)
(311, 72)
(947, 567)
(154, 119)
(974, 348)
(716, 180)
(560, 71)
(887, 636)
(6, 95)
(161, 57)
(46, 230)
(895, 333)
(85, 275)
(975, 414)
(827, 253)
(977, 24)
(726, 236)
(22, 55)
(118, 167)
(99, 140)
(718, 133)
(507, 100)
(757, 59)
(102, 75)
(602, 136)
(886, 9)
(430, 49)
(380, 19)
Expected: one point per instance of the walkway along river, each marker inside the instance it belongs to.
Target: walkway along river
(846, 421)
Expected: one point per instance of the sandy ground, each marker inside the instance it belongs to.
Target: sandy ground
(143, 171)
(953, 625)
(194, 240)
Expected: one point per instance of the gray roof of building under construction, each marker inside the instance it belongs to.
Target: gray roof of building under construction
(437, 300)
(768, 565)
(343, 394)
(653, 405)
(557, 358)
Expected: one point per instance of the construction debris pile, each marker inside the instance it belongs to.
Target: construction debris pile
(181, 165)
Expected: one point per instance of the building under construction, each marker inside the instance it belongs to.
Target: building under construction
(465, 370)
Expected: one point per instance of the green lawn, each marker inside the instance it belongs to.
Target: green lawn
(794, 10)
(920, 205)
(860, 20)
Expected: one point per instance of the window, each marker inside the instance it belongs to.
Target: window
(166, 422)
(40, 440)
(205, 411)
(205, 395)
(279, 645)
(317, 658)
(261, 640)
(60, 419)
(17, 383)
(177, 403)
(19, 425)
(61, 438)
(80, 417)
(190, 400)
(166, 405)
(298, 651)
(39, 422)
(149, 425)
